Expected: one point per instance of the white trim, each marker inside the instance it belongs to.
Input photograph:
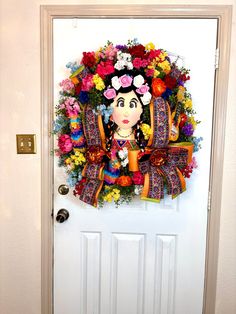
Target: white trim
(224, 15)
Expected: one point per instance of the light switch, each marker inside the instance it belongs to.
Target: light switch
(26, 143)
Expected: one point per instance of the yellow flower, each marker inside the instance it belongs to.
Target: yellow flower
(68, 161)
(98, 81)
(149, 46)
(108, 197)
(180, 93)
(156, 73)
(192, 121)
(163, 55)
(165, 65)
(146, 129)
(188, 103)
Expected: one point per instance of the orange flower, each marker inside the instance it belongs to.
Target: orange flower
(158, 87)
(124, 181)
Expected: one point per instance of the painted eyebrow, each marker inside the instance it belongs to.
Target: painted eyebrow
(134, 99)
(120, 98)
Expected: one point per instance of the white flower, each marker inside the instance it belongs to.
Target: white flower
(120, 65)
(138, 81)
(124, 162)
(129, 65)
(123, 154)
(138, 189)
(115, 82)
(146, 98)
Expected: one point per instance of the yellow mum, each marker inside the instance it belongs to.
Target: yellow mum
(192, 121)
(180, 93)
(146, 129)
(98, 81)
(163, 55)
(149, 46)
(165, 65)
(188, 103)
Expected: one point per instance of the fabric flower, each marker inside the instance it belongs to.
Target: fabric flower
(87, 83)
(170, 82)
(88, 59)
(105, 68)
(125, 80)
(142, 89)
(188, 129)
(138, 81)
(123, 153)
(65, 143)
(146, 129)
(188, 103)
(137, 63)
(98, 81)
(110, 93)
(115, 82)
(83, 97)
(146, 98)
(124, 181)
(149, 46)
(180, 93)
(67, 85)
(158, 87)
(137, 51)
(138, 178)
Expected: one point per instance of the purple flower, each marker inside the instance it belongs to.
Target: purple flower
(188, 129)
(121, 47)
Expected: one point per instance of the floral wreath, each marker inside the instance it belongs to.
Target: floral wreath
(157, 162)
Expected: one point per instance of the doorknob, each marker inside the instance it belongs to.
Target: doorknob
(62, 215)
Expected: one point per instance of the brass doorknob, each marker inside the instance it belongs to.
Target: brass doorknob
(62, 215)
(63, 189)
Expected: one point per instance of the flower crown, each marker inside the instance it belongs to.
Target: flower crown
(126, 81)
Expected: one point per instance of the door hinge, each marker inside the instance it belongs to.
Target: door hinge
(217, 56)
(209, 201)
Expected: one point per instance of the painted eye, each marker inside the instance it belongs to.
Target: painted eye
(120, 103)
(133, 104)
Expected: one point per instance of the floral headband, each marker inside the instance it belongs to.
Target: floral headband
(126, 81)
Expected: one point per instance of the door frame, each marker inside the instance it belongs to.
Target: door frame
(223, 14)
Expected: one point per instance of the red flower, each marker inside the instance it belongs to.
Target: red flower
(124, 181)
(138, 178)
(79, 187)
(105, 68)
(184, 77)
(170, 82)
(137, 51)
(88, 59)
(65, 143)
(158, 87)
(183, 119)
(78, 88)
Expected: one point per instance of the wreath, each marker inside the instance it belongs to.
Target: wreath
(125, 125)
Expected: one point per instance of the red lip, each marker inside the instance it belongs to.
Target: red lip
(125, 121)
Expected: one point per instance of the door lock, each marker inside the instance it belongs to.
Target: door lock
(62, 215)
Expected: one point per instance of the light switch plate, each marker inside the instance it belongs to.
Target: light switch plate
(26, 143)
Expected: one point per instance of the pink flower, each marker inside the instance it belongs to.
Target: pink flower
(87, 83)
(137, 63)
(144, 63)
(138, 178)
(142, 89)
(105, 68)
(110, 52)
(66, 85)
(110, 93)
(125, 80)
(64, 143)
(150, 72)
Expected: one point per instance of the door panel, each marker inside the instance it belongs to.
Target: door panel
(143, 257)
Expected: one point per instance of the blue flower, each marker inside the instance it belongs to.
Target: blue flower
(167, 93)
(83, 97)
(72, 66)
(73, 178)
(59, 123)
(196, 142)
(106, 112)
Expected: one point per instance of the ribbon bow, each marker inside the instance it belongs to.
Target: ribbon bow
(163, 162)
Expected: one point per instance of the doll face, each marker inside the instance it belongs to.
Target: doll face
(127, 110)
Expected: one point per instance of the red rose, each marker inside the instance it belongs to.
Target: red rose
(158, 87)
(105, 68)
(65, 143)
(88, 59)
(170, 82)
(137, 51)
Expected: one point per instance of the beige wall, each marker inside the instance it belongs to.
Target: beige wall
(20, 174)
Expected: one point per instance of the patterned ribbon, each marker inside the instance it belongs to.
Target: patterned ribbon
(162, 164)
(93, 170)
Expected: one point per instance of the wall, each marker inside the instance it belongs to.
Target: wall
(20, 174)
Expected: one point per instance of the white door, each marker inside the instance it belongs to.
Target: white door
(144, 257)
